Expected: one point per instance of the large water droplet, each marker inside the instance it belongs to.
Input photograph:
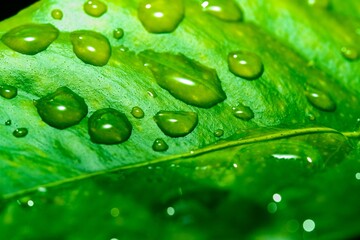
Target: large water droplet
(350, 53)
(62, 108)
(91, 47)
(185, 79)
(160, 16)
(8, 91)
(95, 8)
(320, 100)
(57, 14)
(245, 64)
(118, 33)
(137, 112)
(243, 112)
(109, 126)
(225, 10)
(160, 145)
(20, 132)
(176, 123)
(30, 38)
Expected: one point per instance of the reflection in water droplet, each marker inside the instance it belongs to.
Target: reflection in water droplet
(118, 33)
(8, 91)
(30, 38)
(225, 10)
(151, 92)
(319, 3)
(8, 122)
(114, 212)
(185, 79)
(357, 176)
(20, 132)
(309, 225)
(30, 203)
(350, 53)
(95, 8)
(245, 65)
(219, 133)
(243, 112)
(62, 108)
(276, 197)
(176, 123)
(160, 16)
(137, 112)
(170, 211)
(57, 14)
(109, 126)
(160, 145)
(320, 100)
(91, 47)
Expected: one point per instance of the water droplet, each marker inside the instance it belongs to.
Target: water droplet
(152, 93)
(219, 133)
(8, 122)
(137, 112)
(272, 207)
(95, 8)
(118, 33)
(62, 108)
(57, 14)
(319, 3)
(91, 47)
(309, 225)
(160, 16)
(243, 112)
(245, 64)
(160, 145)
(320, 100)
(20, 132)
(350, 53)
(8, 91)
(109, 126)
(185, 79)
(30, 38)
(224, 10)
(176, 123)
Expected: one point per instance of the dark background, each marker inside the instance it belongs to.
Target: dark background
(9, 8)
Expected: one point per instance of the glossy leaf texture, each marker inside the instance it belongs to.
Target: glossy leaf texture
(300, 141)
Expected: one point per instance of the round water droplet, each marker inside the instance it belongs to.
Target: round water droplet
(350, 53)
(245, 64)
(219, 133)
(185, 79)
(137, 112)
(95, 8)
(8, 91)
(109, 126)
(91, 47)
(20, 132)
(30, 38)
(176, 123)
(160, 145)
(62, 108)
(8, 122)
(225, 10)
(320, 100)
(57, 14)
(118, 33)
(160, 16)
(243, 112)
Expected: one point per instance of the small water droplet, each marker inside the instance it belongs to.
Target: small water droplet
(245, 64)
(176, 123)
(8, 122)
(320, 100)
(243, 112)
(30, 38)
(160, 16)
(109, 126)
(219, 133)
(137, 112)
(319, 3)
(350, 53)
(224, 10)
(160, 145)
(118, 33)
(20, 132)
(62, 108)
(57, 14)
(8, 91)
(91, 47)
(185, 79)
(95, 8)
(309, 225)
(151, 92)
(311, 117)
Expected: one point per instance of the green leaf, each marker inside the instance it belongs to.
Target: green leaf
(300, 142)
